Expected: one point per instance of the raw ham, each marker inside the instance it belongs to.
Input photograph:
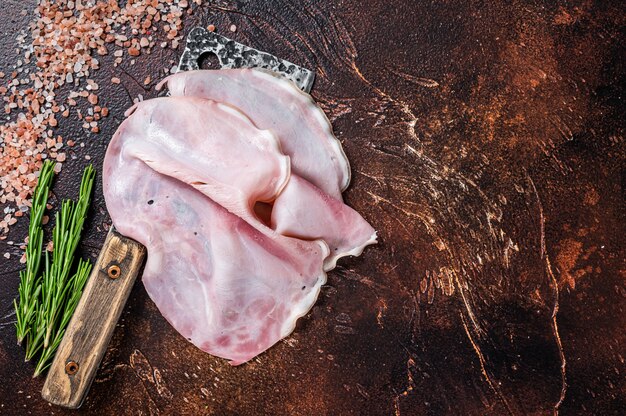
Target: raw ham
(210, 145)
(303, 210)
(230, 289)
(237, 213)
(164, 133)
(276, 104)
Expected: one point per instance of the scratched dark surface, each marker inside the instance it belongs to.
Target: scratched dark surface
(487, 147)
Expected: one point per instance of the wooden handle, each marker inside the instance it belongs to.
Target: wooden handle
(89, 331)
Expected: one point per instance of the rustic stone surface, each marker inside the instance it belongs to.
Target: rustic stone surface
(487, 147)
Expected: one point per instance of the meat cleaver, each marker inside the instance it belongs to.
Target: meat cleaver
(86, 338)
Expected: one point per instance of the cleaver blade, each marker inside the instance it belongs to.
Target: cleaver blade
(232, 54)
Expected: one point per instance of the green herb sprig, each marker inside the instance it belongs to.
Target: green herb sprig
(29, 288)
(58, 290)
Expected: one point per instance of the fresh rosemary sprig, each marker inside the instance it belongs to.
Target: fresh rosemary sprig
(61, 291)
(29, 289)
(58, 291)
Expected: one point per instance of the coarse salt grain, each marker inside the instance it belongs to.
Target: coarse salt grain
(65, 38)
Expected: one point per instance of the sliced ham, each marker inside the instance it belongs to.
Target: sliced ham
(237, 211)
(312, 206)
(210, 145)
(276, 104)
(302, 210)
(229, 288)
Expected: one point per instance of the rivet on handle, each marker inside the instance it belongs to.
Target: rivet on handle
(114, 271)
(71, 367)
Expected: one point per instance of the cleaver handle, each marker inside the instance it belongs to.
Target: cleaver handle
(91, 327)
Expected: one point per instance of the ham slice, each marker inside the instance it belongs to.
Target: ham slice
(237, 213)
(211, 146)
(304, 211)
(230, 289)
(276, 104)
(311, 206)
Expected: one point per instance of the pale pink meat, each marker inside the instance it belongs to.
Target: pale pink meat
(229, 288)
(311, 206)
(210, 145)
(276, 104)
(241, 216)
(305, 211)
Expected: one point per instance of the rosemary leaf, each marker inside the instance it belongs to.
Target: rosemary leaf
(61, 290)
(74, 292)
(25, 309)
(48, 300)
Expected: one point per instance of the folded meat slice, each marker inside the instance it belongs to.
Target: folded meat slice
(304, 211)
(276, 104)
(230, 289)
(210, 145)
(310, 207)
(158, 132)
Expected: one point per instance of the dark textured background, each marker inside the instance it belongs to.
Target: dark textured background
(487, 147)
